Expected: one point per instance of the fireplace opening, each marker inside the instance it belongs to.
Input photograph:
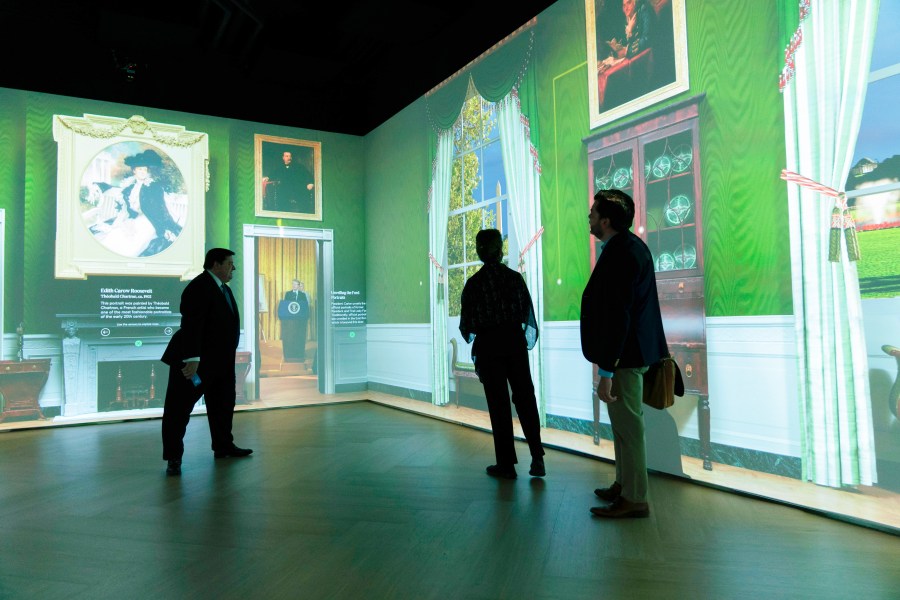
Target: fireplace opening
(131, 385)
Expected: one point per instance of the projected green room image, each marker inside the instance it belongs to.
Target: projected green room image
(766, 177)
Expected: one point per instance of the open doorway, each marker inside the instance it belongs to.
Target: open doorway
(287, 307)
(280, 255)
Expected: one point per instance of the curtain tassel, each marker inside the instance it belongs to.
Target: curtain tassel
(841, 219)
(850, 238)
(834, 236)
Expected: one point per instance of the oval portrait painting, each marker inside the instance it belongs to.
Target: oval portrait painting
(133, 199)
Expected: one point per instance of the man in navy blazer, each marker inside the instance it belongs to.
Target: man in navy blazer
(622, 334)
(201, 358)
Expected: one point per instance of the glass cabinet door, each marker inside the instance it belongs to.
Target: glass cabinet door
(614, 170)
(670, 218)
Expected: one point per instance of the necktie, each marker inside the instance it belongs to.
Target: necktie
(227, 298)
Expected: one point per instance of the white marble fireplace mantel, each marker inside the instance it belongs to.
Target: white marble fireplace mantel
(90, 340)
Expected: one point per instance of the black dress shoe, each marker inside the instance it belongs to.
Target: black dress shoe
(502, 471)
(622, 509)
(233, 451)
(174, 467)
(537, 468)
(611, 493)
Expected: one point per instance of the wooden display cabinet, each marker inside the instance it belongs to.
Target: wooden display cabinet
(656, 160)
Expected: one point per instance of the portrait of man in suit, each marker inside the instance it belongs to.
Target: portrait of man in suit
(289, 186)
(288, 178)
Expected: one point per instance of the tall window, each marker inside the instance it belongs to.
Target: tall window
(873, 186)
(478, 195)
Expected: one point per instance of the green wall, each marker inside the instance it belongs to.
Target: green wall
(28, 173)
(375, 188)
(12, 173)
(398, 173)
(746, 241)
(343, 194)
(560, 59)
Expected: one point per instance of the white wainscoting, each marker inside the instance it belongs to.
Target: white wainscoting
(350, 352)
(752, 382)
(753, 386)
(752, 364)
(567, 375)
(882, 326)
(399, 355)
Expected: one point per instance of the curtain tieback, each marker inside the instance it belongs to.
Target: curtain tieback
(841, 219)
(436, 263)
(527, 247)
(440, 278)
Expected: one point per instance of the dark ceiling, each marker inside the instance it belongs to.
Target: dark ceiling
(342, 66)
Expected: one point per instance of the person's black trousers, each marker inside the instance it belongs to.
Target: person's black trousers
(495, 372)
(181, 396)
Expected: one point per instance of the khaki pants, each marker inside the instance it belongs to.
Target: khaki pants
(627, 418)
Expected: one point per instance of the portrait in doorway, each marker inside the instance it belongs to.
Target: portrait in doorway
(288, 282)
(288, 178)
(293, 311)
(637, 55)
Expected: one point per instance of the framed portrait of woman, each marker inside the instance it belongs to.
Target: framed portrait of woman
(637, 55)
(288, 178)
(130, 197)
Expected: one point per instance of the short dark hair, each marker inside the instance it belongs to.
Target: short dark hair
(617, 206)
(489, 245)
(216, 255)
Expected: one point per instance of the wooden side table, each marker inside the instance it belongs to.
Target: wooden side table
(21, 383)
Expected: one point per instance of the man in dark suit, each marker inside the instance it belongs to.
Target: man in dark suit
(622, 334)
(497, 313)
(201, 358)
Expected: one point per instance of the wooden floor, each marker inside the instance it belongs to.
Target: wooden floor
(872, 506)
(272, 363)
(360, 500)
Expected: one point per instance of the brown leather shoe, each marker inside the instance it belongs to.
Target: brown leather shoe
(622, 509)
(609, 494)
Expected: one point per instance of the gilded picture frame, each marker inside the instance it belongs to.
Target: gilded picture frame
(288, 176)
(636, 55)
